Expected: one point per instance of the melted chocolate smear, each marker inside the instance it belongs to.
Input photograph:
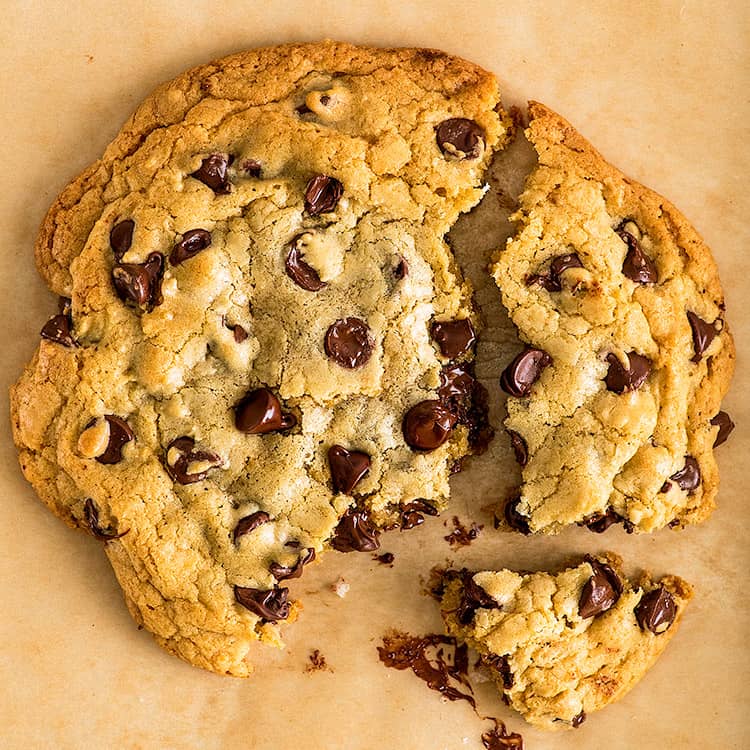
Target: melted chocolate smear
(283, 572)
(514, 519)
(250, 523)
(386, 558)
(317, 662)
(322, 194)
(140, 283)
(300, 272)
(436, 659)
(454, 337)
(600, 522)
(355, 533)
(725, 424)
(468, 399)
(551, 280)
(500, 665)
(461, 536)
(411, 513)
(473, 596)
(498, 738)
(349, 343)
(427, 425)
(348, 468)
(91, 516)
(638, 267)
(520, 449)
(270, 605)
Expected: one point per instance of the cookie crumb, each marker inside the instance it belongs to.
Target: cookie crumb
(317, 662)
(341, 588)
(461, 536)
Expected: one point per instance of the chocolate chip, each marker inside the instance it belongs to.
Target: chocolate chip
(520, 449)
(355, 533)
(239, 333)
(473, 597)
(638, 267)
(725, 424)
(411, 513)
(501, 665)
(91, 516)
(401, 269)
(251, 167)
(59, 329)
(460, 138)
(520, 375)
(270, 605)
(656, 611)
(299, 272)
(514, 518)
(121, 237)
(119, 434)
(303, 109)
(689, 476)
(703, 334)
(578, 719)
(213, 173)
(249, 523)
(260, 413)
(600, 522)
(620, 379)
(427, 425)
(192, 242)
(139, 283)
(386, 558)
(601, 591)
(322, 194)
(348, 342)
(468, 399)
(551, 280)
(283, 572)
(181, 454)
(454, 337)
(347, 468)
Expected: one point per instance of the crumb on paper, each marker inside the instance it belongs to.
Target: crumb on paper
(341, 588)
(318, 662)
(90, 58)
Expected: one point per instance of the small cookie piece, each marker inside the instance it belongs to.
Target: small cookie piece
(561, 646)
(261, 295)
(627, 353)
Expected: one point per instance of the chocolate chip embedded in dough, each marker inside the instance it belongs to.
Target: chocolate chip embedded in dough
(401, 269)
(260, 413)
(501, 665)
(322, 194)
(246, 524)
(688, 478)
(473, 597)
(192, 242)
(186, 465)
(284, 572)
(270, 605)
(355, 533)
(601, 591)
(121, 237)
(520, 449)
(91, 516)
(59, 329)
(514, 518)
(239, 333)
(300, 272)
(119, 434)
(703, 333)
(349, 343)
(578, 719)
(411, 513)
(600, 522)
(213, 173)
(620, 378)
(656, 611)
(725, 424)
(454, 337)
(519, 376)
(251, 167)
(460, 138)
(139, 283)
(637, 266)
(551, 280)
(348, 468)
(427, 425)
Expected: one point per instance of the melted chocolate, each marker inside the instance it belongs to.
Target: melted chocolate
(461, 536)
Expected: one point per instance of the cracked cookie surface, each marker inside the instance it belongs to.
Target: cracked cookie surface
(264, 345)
(614, 404)
(560, 646)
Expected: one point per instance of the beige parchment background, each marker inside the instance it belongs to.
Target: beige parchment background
(662, 89)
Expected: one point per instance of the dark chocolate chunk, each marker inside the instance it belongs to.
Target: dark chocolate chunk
(468, 399)
(725, 424)
(427, 425)
(411, 513)
(119, 434)
(348, 342)
(251, 167)
(601, 591)
(192, 242)
(637, 266)
(498, 738)
(460, 138)
(270, 605)
(283, 572)
(355, 533)
(249, 523)
(703, 334)
(578, 719)
(260, 413)
(520, 449)
(462, 536)
(551, 280)
(386, 558)
(473, 597)
(689, 476)
(454, 337)
(121, 237)
(239, 333)
(514, 518)
(59, 329)
(620, 379)
(347, 468)
(322, 194)
(401, 269)
(501, 665)
(183, 453)
(213, 173)
(520, 375)
(656, 611)
(302, 274)
(139, 283)
(600, 522)
(91, 516)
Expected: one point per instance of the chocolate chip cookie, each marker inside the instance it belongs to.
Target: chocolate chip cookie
(560, 646)
(264, 345)
(614, 399)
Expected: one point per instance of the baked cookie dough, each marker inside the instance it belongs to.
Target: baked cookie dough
(614, 402)
(264, 345)
(561, 646)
